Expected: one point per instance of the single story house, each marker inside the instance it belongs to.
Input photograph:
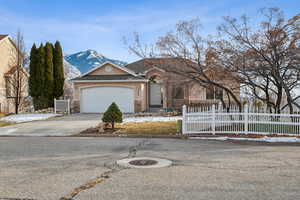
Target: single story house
(8, 69)
(145, 85)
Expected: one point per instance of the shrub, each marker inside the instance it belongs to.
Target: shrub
(113, 115)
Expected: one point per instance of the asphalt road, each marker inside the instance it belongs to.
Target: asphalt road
(50, 168)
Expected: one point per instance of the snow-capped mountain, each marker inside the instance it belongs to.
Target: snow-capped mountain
(70, 70)
(81, 62)
(86, 60)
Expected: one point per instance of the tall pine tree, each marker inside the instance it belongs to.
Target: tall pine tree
(49, 79)
(58, 71)
(32, 71)
(46, 80)
(40, 101)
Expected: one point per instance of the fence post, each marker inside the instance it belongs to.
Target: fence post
(246, 118)
(68, 106)
(213, 125)
(220, 107)
(184, 119)
(55, 105)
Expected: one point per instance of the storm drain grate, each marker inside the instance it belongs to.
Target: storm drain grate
(144, 162)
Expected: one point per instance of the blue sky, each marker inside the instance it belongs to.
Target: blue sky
(101, 25)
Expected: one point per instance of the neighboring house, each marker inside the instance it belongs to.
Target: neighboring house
(145, 85)
(8, 69)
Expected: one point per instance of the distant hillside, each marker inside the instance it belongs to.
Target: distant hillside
(70, 70)
(86, 60)
(81, 62)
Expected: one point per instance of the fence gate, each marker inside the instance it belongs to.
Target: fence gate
(62, 106)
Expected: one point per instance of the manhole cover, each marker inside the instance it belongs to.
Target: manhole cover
(144, 162)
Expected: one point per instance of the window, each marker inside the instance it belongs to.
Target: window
(213, 93)
(178, 92)
(218, 93)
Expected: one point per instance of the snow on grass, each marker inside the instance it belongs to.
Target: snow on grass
(262, 139)
(151, 119)
(28, 117)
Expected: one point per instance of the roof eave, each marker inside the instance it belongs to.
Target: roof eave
(108, 81)
(115, 65)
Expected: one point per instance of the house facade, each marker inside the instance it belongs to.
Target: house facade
(8, 63)
(145, 85)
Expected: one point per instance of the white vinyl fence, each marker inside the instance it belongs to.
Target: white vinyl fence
(213, 120)
(62, 106)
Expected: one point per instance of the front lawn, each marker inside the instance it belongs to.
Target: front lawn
(148, 128)
(3, 123)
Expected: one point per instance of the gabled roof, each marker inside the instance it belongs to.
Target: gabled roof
(3, 36)
(162, 64)
(117, 66)
(109, 78)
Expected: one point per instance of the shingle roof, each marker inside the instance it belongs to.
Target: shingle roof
(3, 36)
(143, 65)
(13, 70)
(109, 77)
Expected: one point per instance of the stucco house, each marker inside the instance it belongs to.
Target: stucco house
(8, 69)
(145, 85)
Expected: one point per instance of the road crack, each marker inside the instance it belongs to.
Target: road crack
(113, 168)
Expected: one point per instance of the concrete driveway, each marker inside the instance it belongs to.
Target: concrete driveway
(53, 167)
(60, 126)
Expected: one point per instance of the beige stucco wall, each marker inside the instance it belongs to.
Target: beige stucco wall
(7, 61)
(102, 71)
(140, 93)
(193, 92)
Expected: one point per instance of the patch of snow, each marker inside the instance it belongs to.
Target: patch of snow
(80, 54)
(262, 139)
(151, 119)
(20, 118)
(70, 71)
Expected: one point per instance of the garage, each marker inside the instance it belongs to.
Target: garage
(97, 99)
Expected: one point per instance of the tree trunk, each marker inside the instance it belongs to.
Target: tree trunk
(113, 125)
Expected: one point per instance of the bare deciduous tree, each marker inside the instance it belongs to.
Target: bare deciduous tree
(267, 57)
(16, 79)
(187, 45)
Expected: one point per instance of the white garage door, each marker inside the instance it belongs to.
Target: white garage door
(97, 99)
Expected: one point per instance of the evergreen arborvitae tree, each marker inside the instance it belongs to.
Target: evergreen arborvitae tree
(58, 70)
(32, 71)
(39, 101)
(113, 115)
(48, 75)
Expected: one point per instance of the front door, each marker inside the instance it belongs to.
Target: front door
(155, 95)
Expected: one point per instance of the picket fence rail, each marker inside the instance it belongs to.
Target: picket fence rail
(213, 120)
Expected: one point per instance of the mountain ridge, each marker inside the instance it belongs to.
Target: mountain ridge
(88, 59)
